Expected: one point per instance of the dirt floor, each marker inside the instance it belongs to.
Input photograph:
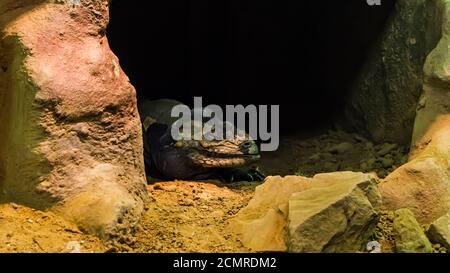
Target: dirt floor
(27, 230)
(332, 151)
(194, 216)
(191, 217)
(182, 217)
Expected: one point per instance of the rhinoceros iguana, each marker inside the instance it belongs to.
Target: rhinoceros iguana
(166, 158)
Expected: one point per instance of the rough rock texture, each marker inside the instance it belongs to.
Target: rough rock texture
(297, 214)
(423, 184)
(409, 235)
(69, 127)
(439, 231)
(435, 99)
(262, 224)
(338, 214)
(384, 100)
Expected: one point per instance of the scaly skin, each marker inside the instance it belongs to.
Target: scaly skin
(220, 154)
(194, 159)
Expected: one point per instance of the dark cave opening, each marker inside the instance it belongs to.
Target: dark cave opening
(301, 55)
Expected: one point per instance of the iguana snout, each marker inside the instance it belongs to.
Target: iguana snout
(219, 154)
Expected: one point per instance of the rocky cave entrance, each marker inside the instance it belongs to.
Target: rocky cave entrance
(302, 55)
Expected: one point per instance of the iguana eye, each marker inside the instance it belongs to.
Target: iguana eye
(204, 144)
(179, 144)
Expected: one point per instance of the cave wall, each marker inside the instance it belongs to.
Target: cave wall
(70, 132)
(435, 100)
(384, 99)
(414, 103)
(423, 185)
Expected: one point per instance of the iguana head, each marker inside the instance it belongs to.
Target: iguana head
(219, 153)
(208, 152)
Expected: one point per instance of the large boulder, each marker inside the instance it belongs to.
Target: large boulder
(383, 102)
(338, 214)
(423, 184)
(70, 132)
(409, 235)
(262, 224)
(435, 100)
(334, 212)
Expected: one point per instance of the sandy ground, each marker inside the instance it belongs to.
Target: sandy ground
(182, 217)
(194, 216)
(26, 230)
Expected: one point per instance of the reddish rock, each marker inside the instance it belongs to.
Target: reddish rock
(423, 184)
(65, 106)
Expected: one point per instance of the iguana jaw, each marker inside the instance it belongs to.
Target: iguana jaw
(219, 153)
(227, 161)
